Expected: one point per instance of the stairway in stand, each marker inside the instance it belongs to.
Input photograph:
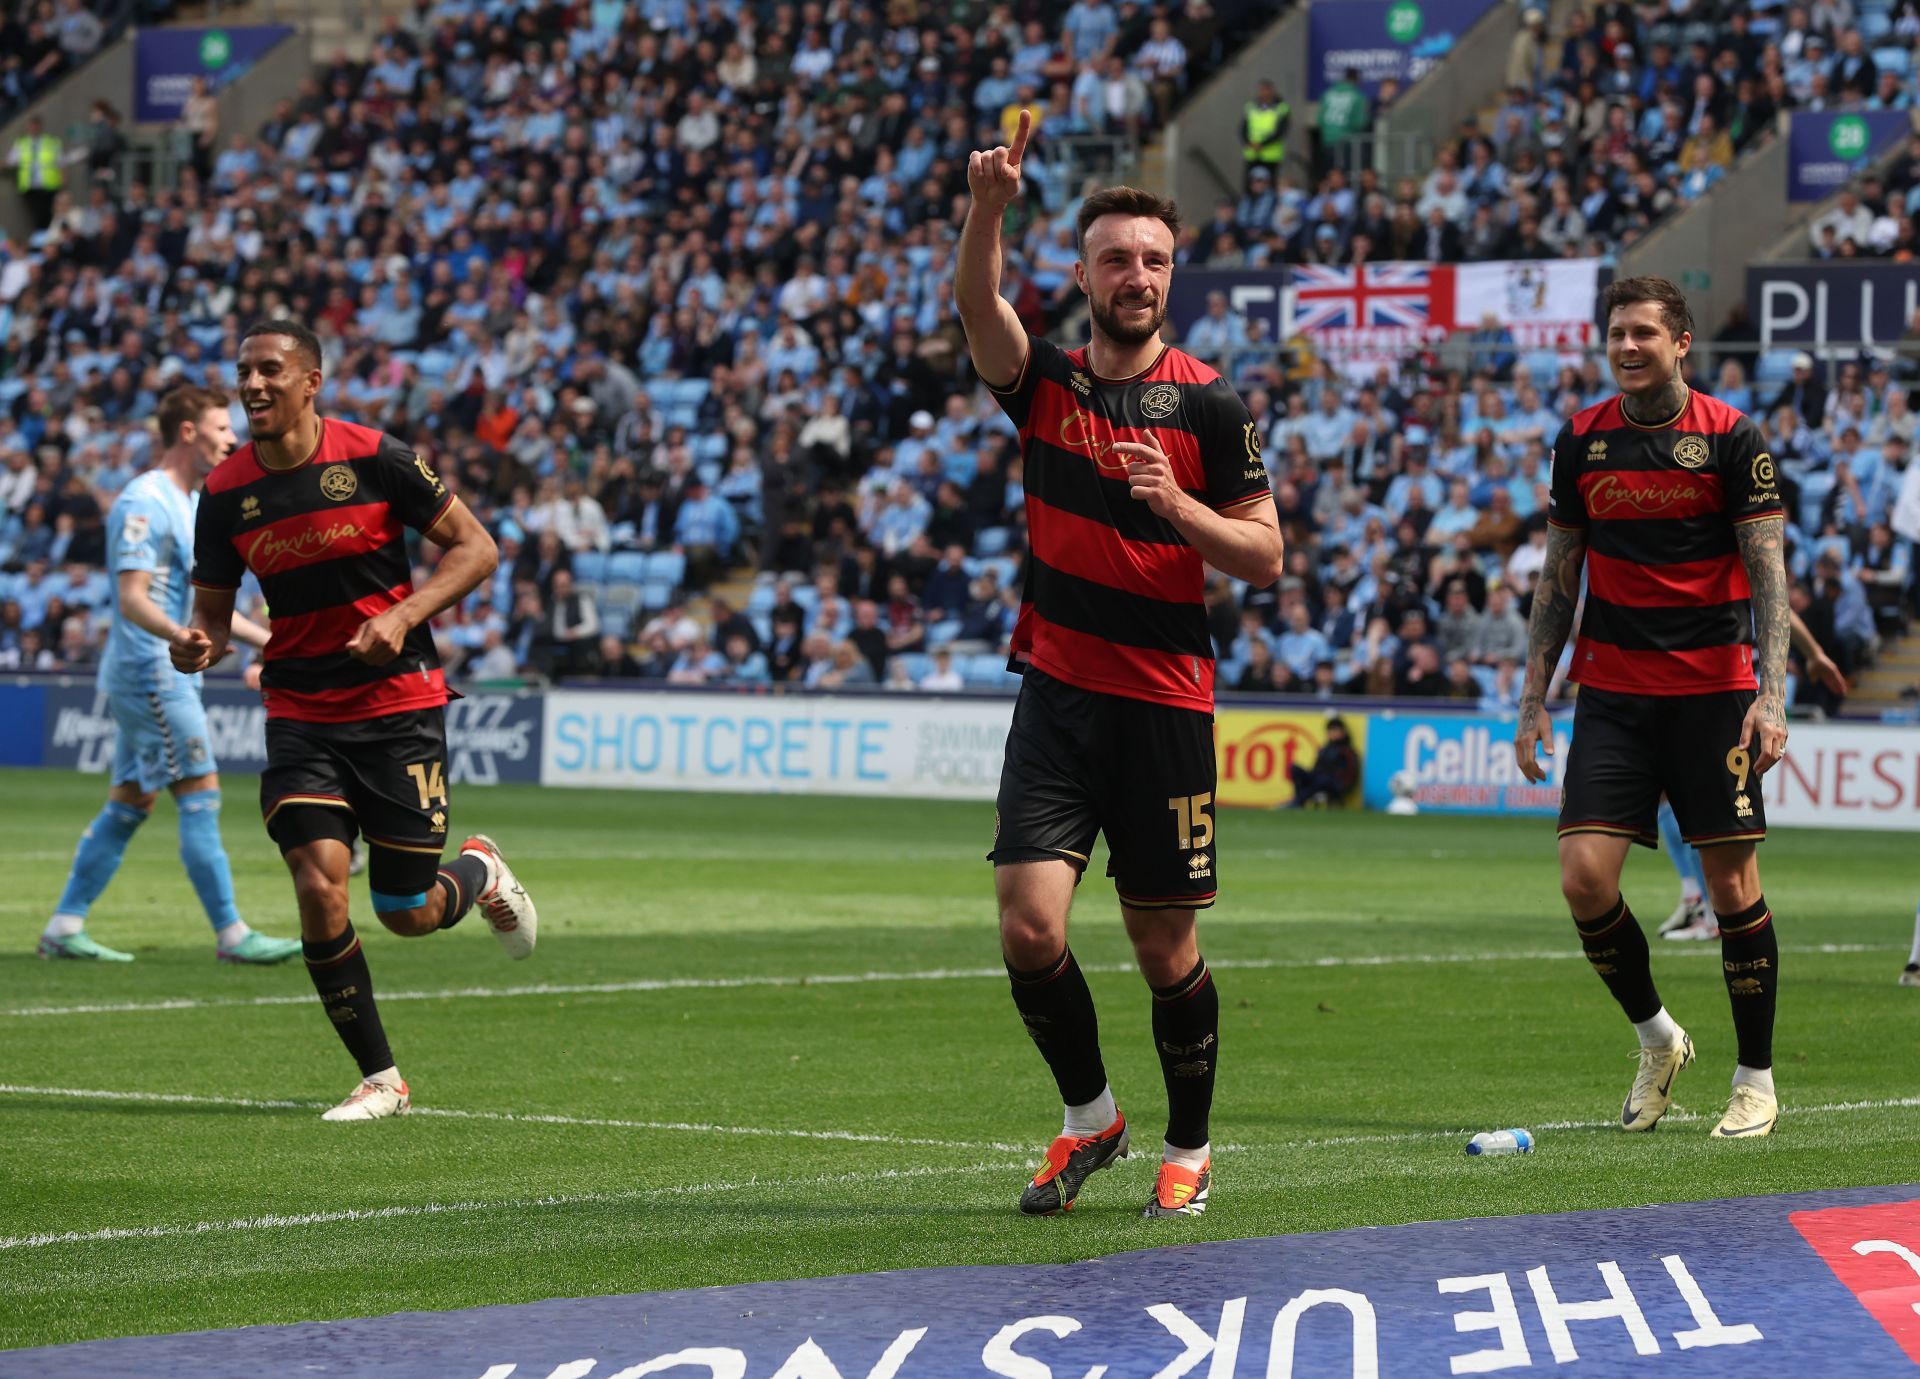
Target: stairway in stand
(1878, 688)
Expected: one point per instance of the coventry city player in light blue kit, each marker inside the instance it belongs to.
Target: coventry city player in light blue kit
(162, 724)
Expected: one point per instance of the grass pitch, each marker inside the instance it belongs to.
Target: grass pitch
(764, 1038)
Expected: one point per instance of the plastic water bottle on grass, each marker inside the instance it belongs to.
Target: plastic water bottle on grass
(1501, 1142)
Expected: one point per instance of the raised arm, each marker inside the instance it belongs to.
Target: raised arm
(1554, 600)
(995, 338)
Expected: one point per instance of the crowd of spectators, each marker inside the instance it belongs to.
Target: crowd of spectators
(664, 292)
(665, 284)
(41, 41)
(1602, 130)
(1414, 507)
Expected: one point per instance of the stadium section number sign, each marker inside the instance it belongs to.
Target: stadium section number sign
(165, 62)
(1827, 149)
(1820, 1283)
(1404, 39)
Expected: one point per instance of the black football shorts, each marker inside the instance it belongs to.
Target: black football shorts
(1629, 748)
(385, 778)
(1079, 763)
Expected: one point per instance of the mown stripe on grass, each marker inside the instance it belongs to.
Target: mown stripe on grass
(934, 974)
(522, 1118)
(1790, 1112)
(276, 1222)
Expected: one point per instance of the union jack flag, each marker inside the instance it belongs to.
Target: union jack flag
(1362, 297)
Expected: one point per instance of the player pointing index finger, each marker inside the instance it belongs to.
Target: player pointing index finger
(1019, 147)
(1141, 467)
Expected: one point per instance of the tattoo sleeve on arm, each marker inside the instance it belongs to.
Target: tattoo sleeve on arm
(1763, 552)
(1554, 599)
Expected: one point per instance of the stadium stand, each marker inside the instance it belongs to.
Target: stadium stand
(693, 359)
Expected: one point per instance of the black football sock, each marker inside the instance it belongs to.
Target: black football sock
(1750, 961)
(1186, 1031)
(462, 879)
(1618, 951)
(339, 972)
(1058, 1011)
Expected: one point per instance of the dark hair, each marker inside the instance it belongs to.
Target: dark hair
(1131, 201)
(304, 340)
(1675, 314)
(183, 405)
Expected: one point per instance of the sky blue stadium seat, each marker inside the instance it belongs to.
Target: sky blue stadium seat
(988, 670)
(806, 596)
(709, 472)
(1775, 366)
(762, 624)
(660, 390)
(1893, 59)
(990, 540)
(691, 392)
(1874, 25)
(616, 607)
(940, 633)
(656, 594)
(760, 600)
(670, 566)
(917, 664)
(627, 567)
(710, 446)
(590, 566)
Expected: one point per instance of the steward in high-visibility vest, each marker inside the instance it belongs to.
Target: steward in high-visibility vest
(1265, 128)
(36, 157)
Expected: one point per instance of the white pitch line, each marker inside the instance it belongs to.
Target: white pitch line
(937, 974)
(528, 1118)
(568, 1199)
(1828, 1108)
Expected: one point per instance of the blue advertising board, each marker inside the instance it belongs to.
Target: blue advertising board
(1827, 149)
(491, 738)
(1816, 1283)
(165, 62)
(1458, 765)
(22, 707)
(1847, 303)
(1403, 39)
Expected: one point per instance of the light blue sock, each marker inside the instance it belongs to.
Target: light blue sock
(205, 857)
(98, 856)
(1684, 856)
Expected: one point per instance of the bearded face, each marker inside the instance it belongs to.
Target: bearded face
(1125, 269)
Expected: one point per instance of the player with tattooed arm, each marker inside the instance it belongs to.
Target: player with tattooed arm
(1672, 505)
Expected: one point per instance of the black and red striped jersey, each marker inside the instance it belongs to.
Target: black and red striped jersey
(327, 542)
(1113, 600)
(1668, 605)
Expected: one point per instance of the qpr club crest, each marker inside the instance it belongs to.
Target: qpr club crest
(337, 482)
(1691, 451)
(1160, 401)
